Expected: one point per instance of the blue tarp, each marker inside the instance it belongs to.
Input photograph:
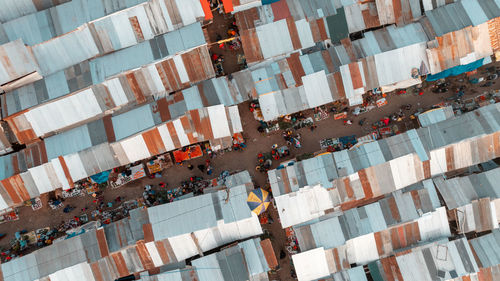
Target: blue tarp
(348, 140)
(265, 2)
(455, 70)
(101, 177)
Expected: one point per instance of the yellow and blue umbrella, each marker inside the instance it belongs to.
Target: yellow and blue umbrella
(258, 200)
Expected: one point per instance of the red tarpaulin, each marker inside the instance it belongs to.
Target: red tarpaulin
(190, 153)
(206, 9)
(228, 5)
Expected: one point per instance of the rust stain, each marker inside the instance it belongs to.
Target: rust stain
(379, 243)
(365, 183)
(450, 158)
(322, 29)
(427, 169)
(66, 171)
(294, 34)
(336, 257)
(11, 191)
(148, 232)
(357, 81)
(96, 270)
(394, 209)
(121, 266)
(162, 251)
(173, 134)
(296, 68)
(101, 241)
(146, 260)
(348, 188)
(108, 128)
(154, 142)
(137, 28)
(268, 250)
(251, 45)
(136, 89)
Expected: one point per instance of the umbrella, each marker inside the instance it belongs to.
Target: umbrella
(258, 200)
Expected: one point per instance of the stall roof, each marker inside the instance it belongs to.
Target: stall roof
(395, 209)
(13, 9)
(472, 42)
(17, 61)
(146, 52)
(245, 261)
(76, 76)
(434, 116)
(111, 16)
(311, 265)
(75, 140)
(198, 213)
(125, 89)
(460, 191)
(354, 188)
(53, 258)
(485, 248)
(456, 16)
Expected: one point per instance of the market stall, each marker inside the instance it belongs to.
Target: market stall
(130, 174)
(187, 153)
(159, 164)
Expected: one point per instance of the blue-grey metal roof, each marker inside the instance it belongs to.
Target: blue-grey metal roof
(435, 116)
(200, 212)
(68, 142)
(183, 216)
(239, 262)
(12, 9)
(486, 248)
(76, 139)
(351, 274)
(146, 52)
(44, 25)
(334, 230)
(455, 16)
(45, 261)
(254, 256)
(460, 191)
(6, 167)
(133, 121)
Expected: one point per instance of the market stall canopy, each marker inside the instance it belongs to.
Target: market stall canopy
(258, 200)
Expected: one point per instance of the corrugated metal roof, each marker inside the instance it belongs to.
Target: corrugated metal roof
(456, 16)
(435, 115)
(200, 212)
(403, 166)
(146, 52)
(117, 92)
(392, 210)
(13, 9)
(240, 262)
(133, 121)
(17, 61)
(46, 24)
(486, 249)
(64, 51)
(48, 260)
(460, 191)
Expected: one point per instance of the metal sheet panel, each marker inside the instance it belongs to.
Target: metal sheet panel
(274, 39)
(16, 62)
(132, 122)
(317, 89)
(64, 51)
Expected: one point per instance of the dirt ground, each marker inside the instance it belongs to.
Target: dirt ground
(220, 26)
(243, 160)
